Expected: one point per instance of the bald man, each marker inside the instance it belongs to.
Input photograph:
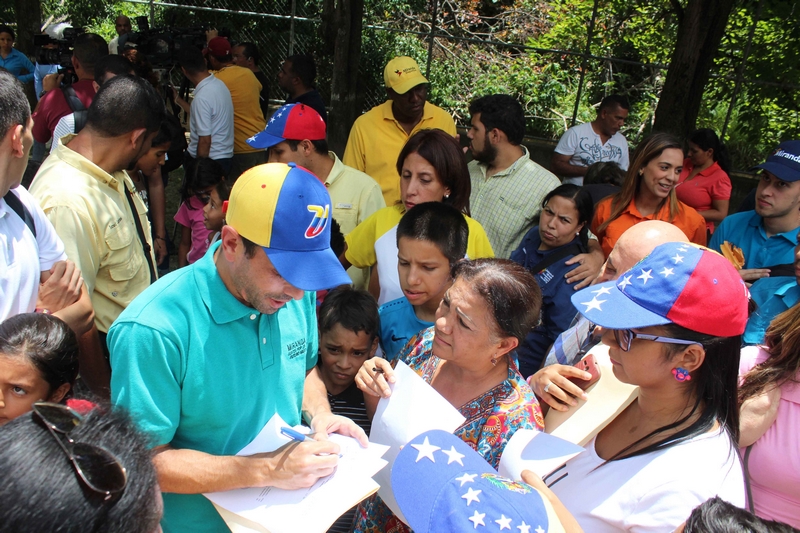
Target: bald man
(632, 246)
(123, 26)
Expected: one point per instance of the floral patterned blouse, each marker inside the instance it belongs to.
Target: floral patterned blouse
(491, 420)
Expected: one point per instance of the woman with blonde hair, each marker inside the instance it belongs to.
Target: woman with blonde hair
(648, 193)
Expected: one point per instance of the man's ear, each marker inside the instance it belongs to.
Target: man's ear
(230, 241)
(14, 137)
(76, 64)
(96, 86)
(308, 147)
(136, 135)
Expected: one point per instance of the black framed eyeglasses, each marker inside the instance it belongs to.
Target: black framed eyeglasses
(98, 468)
(624, 338)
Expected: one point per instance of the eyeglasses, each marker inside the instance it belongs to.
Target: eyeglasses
(624, 338)
(99, 469)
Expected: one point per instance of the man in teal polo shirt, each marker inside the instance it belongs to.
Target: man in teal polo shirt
(206, 356)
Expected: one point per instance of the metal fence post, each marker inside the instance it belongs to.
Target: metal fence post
(431, 37)
(152, 14)
(587, 53)
(291, 28)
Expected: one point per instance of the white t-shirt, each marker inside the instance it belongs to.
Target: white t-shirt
(212, 114)
(65, 126)
(24, 257)
(584, 145)
(655, 492)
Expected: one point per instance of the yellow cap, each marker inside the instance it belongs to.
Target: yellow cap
(402, 74)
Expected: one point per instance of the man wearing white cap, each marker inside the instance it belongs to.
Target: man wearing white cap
(207, 356)
(379, 134)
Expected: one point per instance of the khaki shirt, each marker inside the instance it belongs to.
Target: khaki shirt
(88, 208)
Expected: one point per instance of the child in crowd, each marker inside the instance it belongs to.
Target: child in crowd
(38, 362)
(203, 177)
(213, 213)
(562, 233)
(718, 516)
(431, 238)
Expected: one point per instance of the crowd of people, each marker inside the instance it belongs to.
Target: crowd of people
(303, 279)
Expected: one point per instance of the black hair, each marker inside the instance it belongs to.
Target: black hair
(44, 340)
(715, 515)
(707, 139)
(612, 101)
(223, 190)
(204, 173)
(89, 48)
(14, 106)
(5, 28)
(250, 248)
(320, 145)
(167, 131)
(41, 491)
(191, 59)
(354, 309)
(501, 111)
(437, 223)
(123, 104)
(604, 172)
(583, 205)
(337, 238)
(303, 67)
(111, 64)
(510, 291)
(250, 50)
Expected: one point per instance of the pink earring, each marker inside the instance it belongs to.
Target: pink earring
(681, 374)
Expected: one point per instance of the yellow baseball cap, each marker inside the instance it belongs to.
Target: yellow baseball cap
(402, 74)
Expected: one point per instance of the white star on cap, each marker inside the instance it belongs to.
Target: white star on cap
(602, 290)
(503, 522)
(280, 114)
(539, 529)
(477, 519)
(471, 496)
(625, 282)
(593, 304)
(251, 139)
(524, 528)
(272, 120)
(683, 248)
(678, 258)
(645, 276)
(667, 272)
(425, 449)
(453, 456)
(466, 478)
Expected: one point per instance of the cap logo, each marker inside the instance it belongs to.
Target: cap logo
(398, 72)
(319, 222)
(786, 155)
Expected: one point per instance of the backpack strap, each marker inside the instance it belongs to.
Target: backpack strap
(78, 109)
(80, 119)
(573, 249)
(19, 208)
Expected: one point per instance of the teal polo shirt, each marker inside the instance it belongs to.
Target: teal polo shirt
(771, 302)
(746, 231)
(199, 370)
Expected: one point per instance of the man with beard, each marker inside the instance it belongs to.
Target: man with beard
(507, 186)
(87, 195)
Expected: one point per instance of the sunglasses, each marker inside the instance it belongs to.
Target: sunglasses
(624, 338)
(99, 469)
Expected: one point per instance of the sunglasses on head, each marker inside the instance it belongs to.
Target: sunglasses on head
(624, 338)
(98, 468)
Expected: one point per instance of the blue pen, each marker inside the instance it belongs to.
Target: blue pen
(297, 436)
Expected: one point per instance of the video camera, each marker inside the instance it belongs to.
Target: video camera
(50, 51)
(161, 45)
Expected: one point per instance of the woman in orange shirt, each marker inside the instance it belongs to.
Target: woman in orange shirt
(648, 193)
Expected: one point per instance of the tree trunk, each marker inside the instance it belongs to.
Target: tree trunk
(341, 32)
(699, 34)
(29, 23)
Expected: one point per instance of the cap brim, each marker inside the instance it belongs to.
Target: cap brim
(607, 306)
(312, 270)
(782, 172)
(404, 87)
(263, 140)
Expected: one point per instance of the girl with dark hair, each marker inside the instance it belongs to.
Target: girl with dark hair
(770, 415)
(704, 183)
(467, 356)
(432, 168)
(562, 233)
(673, 326)
(202, 179)
(648, 193)
(38, 362)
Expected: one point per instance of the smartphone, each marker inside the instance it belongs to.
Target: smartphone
(587, 364)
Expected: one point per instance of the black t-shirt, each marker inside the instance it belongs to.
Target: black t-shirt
(264, 95)
(313, 100)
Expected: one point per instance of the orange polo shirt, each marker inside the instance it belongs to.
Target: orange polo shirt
(688, 221)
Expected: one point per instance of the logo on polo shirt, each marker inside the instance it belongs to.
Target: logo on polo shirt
(319, 222)
(296, 348)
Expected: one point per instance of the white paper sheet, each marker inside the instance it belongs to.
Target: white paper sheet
(529, 449)
(413, 408)
(312, 509)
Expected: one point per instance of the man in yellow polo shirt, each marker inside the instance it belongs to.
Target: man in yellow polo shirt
(379, 134)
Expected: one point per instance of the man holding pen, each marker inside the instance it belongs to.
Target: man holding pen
(205, 357)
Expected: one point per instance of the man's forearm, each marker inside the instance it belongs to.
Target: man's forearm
(315, 396)
(567, 169)
(92, 363)
(194, 472)
(203, 146)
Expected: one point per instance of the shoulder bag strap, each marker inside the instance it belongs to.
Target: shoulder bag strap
(573, 249)
(22, 212)
(140, 231)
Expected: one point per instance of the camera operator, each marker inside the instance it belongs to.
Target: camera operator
(53, 105)
(123, 27)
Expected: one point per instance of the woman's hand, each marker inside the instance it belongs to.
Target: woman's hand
(568, 522)
(551, 385)
(374, 377)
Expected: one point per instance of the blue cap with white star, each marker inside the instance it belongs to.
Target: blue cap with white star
(678, 283)
(441, 484)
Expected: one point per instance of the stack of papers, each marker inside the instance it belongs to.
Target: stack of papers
(274, 510)
(530, 449)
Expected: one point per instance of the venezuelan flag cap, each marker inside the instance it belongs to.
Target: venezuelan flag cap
(286, 210)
